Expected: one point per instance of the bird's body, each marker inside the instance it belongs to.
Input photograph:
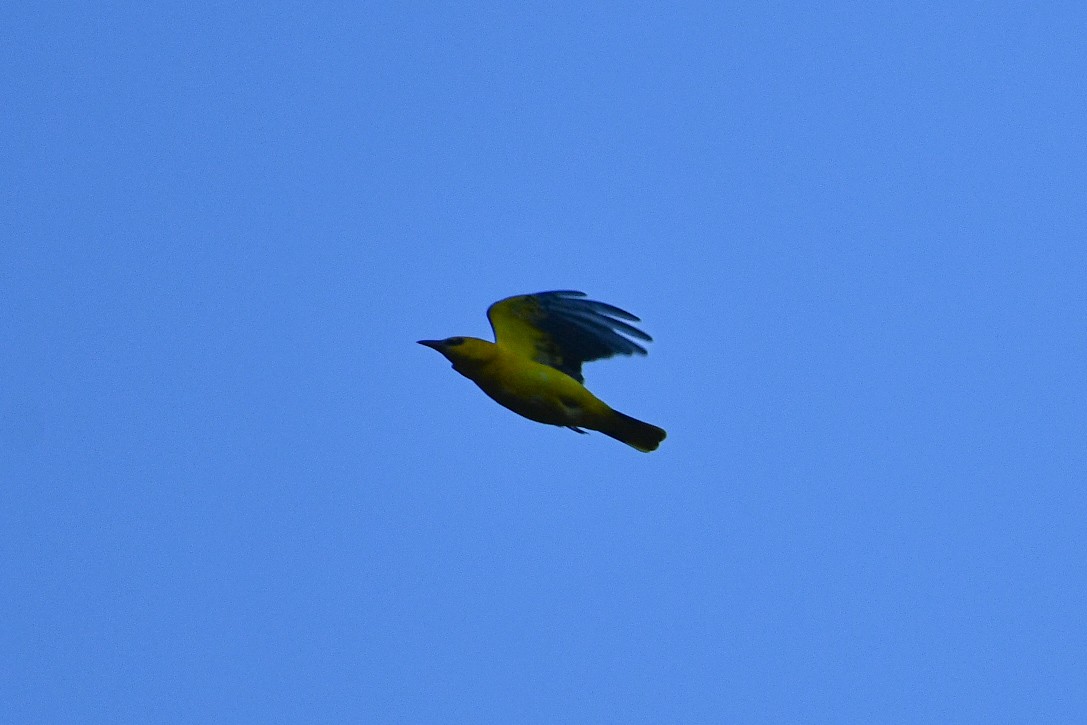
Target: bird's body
(538, 392)
(534, 366)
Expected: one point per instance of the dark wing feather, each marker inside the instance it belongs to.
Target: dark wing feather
(563, 330)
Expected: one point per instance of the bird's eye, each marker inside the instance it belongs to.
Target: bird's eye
(454, 341)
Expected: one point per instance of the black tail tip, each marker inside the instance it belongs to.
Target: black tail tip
(635, 433)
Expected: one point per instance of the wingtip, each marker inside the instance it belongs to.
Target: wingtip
(561, 293)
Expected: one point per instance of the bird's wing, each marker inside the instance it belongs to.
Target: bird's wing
(562, 330)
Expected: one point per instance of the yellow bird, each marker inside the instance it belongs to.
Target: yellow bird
(534, 365)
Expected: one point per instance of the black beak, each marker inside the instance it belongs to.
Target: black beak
(433, 344)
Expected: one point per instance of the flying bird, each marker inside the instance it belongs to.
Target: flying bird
(533, 367)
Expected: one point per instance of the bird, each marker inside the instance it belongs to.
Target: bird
(533, 367)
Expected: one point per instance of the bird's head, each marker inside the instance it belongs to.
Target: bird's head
(463, 352)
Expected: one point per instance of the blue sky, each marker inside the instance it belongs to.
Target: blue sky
(235, 490)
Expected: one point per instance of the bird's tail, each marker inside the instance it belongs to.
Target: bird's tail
(633, 432)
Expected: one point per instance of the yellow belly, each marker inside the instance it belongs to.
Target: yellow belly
(540, 392)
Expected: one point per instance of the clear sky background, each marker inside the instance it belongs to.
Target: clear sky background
(234, 489)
